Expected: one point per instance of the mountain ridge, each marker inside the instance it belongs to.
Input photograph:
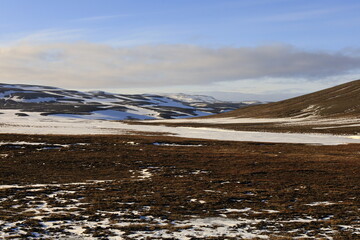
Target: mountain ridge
(49, 100)
(339, 101)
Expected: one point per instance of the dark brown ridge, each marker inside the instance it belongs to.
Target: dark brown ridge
(339, 101)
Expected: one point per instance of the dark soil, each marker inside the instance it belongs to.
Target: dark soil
(225, 175)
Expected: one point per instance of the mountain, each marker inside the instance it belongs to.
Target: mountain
(339, 101)
(193, 98)
(259, 97)
(104, 105)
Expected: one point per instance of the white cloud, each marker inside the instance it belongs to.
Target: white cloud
(88, 65)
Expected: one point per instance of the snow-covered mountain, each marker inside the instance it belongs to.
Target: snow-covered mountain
(46, 100)
(193, 98)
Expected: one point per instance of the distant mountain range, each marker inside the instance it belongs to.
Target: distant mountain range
(110, 106)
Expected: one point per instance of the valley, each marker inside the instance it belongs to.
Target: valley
(179, 120)
(226, 176)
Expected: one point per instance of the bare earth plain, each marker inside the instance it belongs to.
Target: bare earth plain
(161, 187)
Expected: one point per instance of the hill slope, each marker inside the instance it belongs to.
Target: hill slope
(339, 101)
(46, 100)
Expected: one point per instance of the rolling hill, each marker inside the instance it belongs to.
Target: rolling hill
(335, 110)
(336, 102)
(104, 105)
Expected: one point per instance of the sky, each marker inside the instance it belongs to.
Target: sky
(227, 48)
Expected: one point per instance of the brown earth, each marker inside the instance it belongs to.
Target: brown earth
(225, 175)
(339, 101)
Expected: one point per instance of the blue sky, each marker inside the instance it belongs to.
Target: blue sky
(145, 38)
(323, 24)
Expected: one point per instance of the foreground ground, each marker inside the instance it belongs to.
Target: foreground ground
(133, 187)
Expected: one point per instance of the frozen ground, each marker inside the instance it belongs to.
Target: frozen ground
(38, 124)
(135, 187)
(344, 122)
(61, 211)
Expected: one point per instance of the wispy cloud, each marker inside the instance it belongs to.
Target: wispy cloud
(305, 14)
(44, 36)
(82, 64)
(295, 16)
(101, 18)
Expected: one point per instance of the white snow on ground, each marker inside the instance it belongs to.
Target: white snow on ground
(35, 144)
(141, 175)
(105, 114)
(232, 135)
(286, 121)
(228, 120)
(21, 143)
(230, 210)
(354, 137)
(37, 124)
(41, 203)
(176, 145)
(54, 184)
(326, 203)
(219, 226)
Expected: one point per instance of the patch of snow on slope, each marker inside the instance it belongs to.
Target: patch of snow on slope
(35, 100)
(62, 101)
(250, 102)
(168, 102)
(193, 98)
(142, 111)
(196, 113)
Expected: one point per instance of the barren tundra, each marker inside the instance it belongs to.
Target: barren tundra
(158, 187)
(230, 176)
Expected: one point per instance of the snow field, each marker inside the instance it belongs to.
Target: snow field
(38, 124)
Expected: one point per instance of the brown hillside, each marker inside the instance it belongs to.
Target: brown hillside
(339, 101)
